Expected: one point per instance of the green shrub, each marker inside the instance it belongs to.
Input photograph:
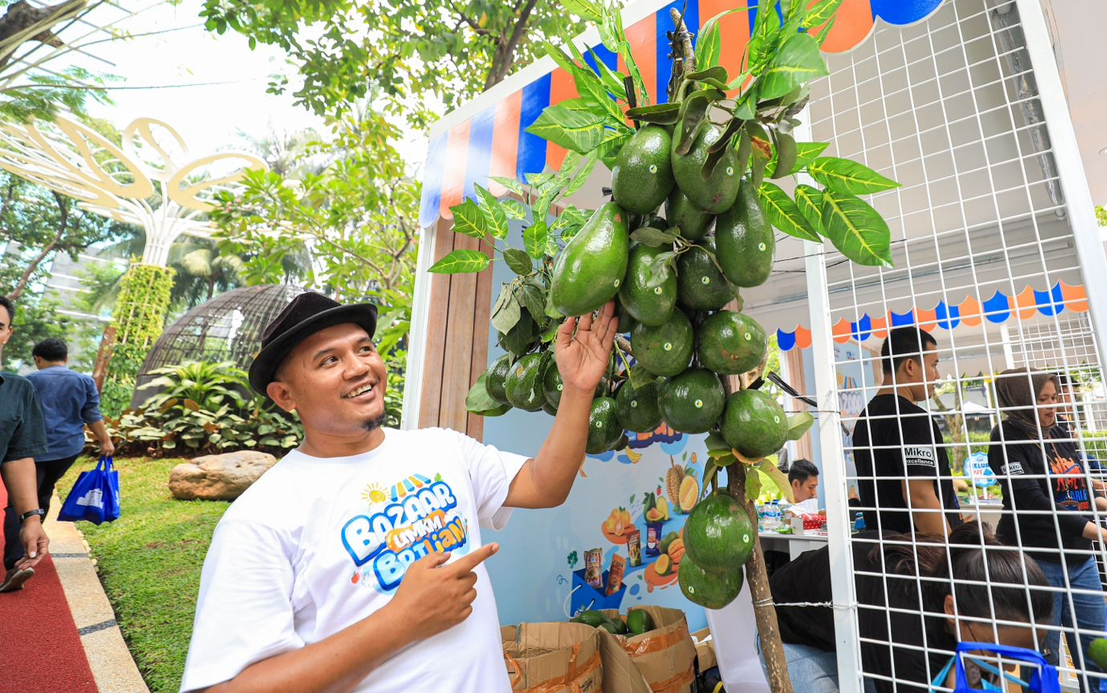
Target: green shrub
(202, 409)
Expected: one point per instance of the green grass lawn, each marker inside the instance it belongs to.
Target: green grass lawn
(149, 561)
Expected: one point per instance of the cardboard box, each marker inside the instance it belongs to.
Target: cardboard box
(553, 657)
(705, 650)
(666, 655)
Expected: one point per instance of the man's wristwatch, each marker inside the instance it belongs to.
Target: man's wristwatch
(31, 513)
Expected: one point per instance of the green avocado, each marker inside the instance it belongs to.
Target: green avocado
(593, 618)
(639, 621)
(643, 176)
(692, 401)
(523, 384)
(637, 408)
(648, 305)
(590, 269)
(715, 194)
(667, 349)
(731, 343)
(497, 373)
(700, 284)
(692, 222)
(754, 424)
(604, 430)
(744, 240)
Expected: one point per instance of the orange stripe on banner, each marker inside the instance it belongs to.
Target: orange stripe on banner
(642, 37)
(854, 23)
(1076, 298)
(453, 187)
(803, 338)
(880, 327)
(562, 88)
(841, 331)
(1027, 303)
(927, 320)
(970, 311)
(735, 28)
(505, 142)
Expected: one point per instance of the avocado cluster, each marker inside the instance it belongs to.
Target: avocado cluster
(676, 281)
(637, 621)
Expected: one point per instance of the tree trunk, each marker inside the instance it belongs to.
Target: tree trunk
(757, 578)
(17, 292)
(505, 53)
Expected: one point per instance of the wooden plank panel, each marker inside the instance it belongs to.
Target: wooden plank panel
(481, 327)
(431, 392)
(459, 344)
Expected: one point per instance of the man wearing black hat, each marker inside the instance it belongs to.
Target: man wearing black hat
(354, 564)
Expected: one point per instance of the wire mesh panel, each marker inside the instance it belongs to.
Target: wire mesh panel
(986, 280)
(226, 328)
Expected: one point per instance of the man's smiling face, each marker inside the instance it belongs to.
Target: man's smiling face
(336, 380)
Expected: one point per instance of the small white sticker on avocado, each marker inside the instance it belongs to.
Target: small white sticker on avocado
(705, 280)
(761, 247)
(657, 290)
(776, 419)
(668, 346)
(748, 336)
(730, 170)
(699, 404)
(745, 537)
(653, 168)
(617, 282)
(559, 386)
(634, 404)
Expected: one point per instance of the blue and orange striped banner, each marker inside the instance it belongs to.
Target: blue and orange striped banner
(494, 142)
(999, 308)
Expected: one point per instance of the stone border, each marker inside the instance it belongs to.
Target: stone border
(112, 665)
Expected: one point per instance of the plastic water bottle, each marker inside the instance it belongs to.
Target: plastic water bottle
(859, 522)
(762, 509)
(772, 517)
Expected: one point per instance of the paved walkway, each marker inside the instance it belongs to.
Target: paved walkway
(58, 634)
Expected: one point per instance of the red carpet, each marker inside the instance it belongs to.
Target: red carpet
(40, 649)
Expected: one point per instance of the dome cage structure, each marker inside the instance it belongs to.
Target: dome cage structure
(226, 328)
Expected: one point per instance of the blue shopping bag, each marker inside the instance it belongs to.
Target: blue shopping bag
(1044, 678)
(95, 496)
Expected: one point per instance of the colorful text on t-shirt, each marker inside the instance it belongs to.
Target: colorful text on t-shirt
(419, 518)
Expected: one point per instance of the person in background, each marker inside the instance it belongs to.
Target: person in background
(1068, 418)
(803, 476)
(22, 439)
(70, 401)
(1047, 509)
(903, 471)
(916, 601)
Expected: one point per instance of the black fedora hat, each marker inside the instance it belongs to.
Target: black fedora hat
(307, 314)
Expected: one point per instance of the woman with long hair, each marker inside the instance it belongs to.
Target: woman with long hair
(1047, 509)
(917, 598)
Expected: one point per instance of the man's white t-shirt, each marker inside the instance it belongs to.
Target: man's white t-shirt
(318, 544)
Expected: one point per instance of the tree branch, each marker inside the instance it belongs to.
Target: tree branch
(20, 286)
(505, 54)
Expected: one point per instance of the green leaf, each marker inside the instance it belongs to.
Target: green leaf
(784, 214)
(661, 114)
(845, 176)
(514, 209)
(753, 485)
(518, 261)
(654, 238)
(469, 220)
(825, 33)
(461, 262)
(585, 9)
(534, 239)
(820, 14)
(763, 39)
(716, 73)
(612, 80)
(798, 62)
(786, 153)
(510, 184)
(494, 214)
(661, 268)
(478, 401)
(506, 311)
(588, 84)
(806, 152)
(799, 425)
(569, 127)
(533, 295)
(580, 177)
(639, 377)
(810, 203)
(779, 478)
(718, 151)
(521, 337)
(715, 443)
(710, 471)
(856, 229)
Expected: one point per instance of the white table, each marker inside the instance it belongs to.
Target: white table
(793, 544)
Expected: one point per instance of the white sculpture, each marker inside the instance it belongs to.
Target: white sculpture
(149, 182)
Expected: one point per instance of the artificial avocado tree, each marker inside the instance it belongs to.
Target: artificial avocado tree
(707, 158)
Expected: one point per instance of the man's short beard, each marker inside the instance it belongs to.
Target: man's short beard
(373, 424)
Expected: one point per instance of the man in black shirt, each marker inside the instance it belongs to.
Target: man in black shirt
(904, 476)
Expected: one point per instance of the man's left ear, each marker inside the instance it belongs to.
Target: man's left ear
(950, 608)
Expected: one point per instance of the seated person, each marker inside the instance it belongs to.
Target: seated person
(895, 623)
(804, 479)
